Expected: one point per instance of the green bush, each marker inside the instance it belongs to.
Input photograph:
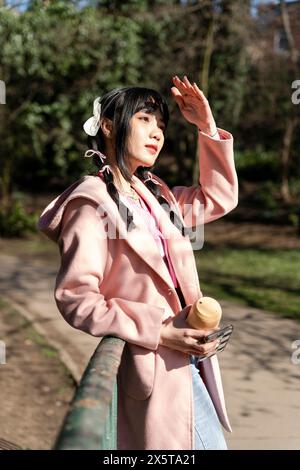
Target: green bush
(257, 164)
(295, 188)
(16, 221)
(294, 217)
(266, 197)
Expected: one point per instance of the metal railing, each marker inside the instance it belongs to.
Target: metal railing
(91, 423)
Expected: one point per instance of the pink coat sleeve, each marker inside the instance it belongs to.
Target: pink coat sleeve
(78, 284)
(217, 193)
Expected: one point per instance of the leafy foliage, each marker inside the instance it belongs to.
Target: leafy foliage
(57, 56)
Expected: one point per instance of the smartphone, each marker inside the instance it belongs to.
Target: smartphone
(224, 332)
(223, 335)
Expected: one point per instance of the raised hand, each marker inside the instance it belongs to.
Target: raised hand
(193, 105)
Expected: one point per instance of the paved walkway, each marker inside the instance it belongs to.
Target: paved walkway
(262, 385)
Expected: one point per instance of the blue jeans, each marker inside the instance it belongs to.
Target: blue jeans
(207, 429)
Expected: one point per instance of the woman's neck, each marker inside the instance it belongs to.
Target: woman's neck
(120, 182)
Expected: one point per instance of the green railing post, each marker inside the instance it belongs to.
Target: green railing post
(109, 440)
(91, 423)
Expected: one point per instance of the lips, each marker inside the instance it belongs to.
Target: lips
(154, 147)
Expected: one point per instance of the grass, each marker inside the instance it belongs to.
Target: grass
(22, 323)
(35, 247)
(13, 317)
(39, 340)
(261, 278)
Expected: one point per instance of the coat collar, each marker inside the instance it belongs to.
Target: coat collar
(179, 247)
(139, 239)
(143, 243)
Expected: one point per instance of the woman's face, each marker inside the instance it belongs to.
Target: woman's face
(146, 138)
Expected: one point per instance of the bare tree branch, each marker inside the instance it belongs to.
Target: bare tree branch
(288, 31)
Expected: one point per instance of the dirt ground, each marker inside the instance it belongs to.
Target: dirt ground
(35, 387)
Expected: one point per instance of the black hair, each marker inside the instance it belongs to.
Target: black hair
(119, 105)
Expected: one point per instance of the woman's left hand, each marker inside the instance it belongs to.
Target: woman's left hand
(193, 105)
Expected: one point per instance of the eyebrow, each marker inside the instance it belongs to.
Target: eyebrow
(147, 111)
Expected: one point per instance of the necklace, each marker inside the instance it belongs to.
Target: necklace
(132, 194)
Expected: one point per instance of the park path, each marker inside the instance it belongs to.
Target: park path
(262, 385)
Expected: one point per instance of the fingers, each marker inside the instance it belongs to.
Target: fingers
(206, 348)
(187, 82)
(197, 89)
(175, 91)
(178, 97)
(186, 88)
(198, 335)
(201, 349)
(180, 85)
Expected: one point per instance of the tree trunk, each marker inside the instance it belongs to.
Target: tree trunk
(204, 81)
(5, 185)
(288, 32)
(285, 158)
(292, 120)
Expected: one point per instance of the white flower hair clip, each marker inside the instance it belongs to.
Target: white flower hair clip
(92, 125)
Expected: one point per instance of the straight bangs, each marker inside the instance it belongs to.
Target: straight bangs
(150, 101)
(136, 99)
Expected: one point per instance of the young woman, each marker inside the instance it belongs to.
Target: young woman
(128, 267)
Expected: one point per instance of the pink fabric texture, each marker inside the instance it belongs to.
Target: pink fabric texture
(152, 224)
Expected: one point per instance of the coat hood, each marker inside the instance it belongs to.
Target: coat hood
(89, 187)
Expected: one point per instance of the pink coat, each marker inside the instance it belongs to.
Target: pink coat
(121, 286)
